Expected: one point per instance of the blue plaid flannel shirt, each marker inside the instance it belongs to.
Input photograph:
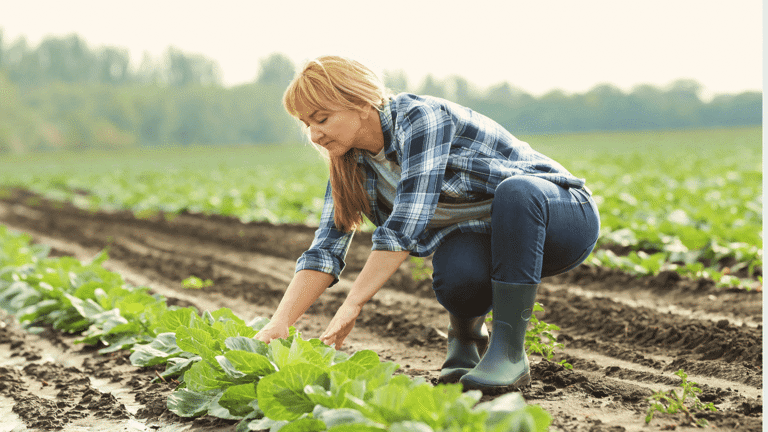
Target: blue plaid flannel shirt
(447, 153)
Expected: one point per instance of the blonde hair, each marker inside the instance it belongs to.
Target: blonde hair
(338, 83)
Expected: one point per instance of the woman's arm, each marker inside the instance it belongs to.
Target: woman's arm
(305, 287)
(379, 267)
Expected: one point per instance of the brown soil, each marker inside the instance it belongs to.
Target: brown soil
(624, 336)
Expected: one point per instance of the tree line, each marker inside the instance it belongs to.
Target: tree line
(63, 94)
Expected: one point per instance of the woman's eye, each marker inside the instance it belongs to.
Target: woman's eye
(322, 121)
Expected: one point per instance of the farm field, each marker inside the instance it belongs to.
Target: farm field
(693, 198)
(625, 333)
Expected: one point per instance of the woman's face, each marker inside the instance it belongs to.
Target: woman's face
(334, 130)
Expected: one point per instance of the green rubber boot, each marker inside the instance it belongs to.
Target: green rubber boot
(505, 366)
(467, 342)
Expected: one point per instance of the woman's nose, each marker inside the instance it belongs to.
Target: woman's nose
(315, 134)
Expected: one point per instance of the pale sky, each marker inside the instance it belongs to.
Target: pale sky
(536, 46)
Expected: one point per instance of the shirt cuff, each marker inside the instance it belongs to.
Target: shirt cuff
(322, 261)
(389, 240)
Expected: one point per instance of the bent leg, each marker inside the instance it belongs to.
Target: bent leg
(540, 229)
(462, 274)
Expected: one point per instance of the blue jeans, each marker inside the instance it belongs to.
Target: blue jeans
(538, 229)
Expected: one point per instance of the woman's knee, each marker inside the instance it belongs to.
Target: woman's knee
(462, 274)
(460, 278)
(463, 290)
(463, 306)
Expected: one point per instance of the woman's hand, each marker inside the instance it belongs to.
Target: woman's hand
(341, 325)
(305, 287)
(271, 331)
(377, 269)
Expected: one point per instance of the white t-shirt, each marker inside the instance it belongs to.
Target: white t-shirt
(445, 214)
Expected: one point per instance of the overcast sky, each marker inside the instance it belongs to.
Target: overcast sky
(536, 46)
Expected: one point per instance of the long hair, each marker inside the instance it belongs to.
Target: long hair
(338, 83)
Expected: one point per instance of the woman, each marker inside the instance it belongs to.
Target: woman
(435, 177)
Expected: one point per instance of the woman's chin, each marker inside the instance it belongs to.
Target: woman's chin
(337, 151)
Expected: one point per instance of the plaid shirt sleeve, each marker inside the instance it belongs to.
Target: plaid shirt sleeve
(330, 246)
(425, 133)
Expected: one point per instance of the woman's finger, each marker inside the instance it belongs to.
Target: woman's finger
(340, 341)
(326, 339)
(340, 326)
(331, 336)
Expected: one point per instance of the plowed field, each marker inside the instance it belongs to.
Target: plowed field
(625, 337)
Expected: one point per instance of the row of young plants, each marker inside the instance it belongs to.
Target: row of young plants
(686, 201)
(676, 200)
(288, 385)
(640, 263)
(679, 243)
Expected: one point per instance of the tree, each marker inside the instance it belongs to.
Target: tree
(648, 103)
(460, 90)
(607, 108)
(184, 70)
(66, 60)
(508, 106)
(684, 102)
(734, 110)
(396, 81)
(149, 71)
(20, 64)
(554, 112)
(432, 87)
(113, 66)
(276, 70)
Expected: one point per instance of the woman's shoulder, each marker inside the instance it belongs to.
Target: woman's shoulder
(411, 99)
(414, 106)
(404, 102)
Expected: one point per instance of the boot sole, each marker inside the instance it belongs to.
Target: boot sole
(491, 390)
(452, 377)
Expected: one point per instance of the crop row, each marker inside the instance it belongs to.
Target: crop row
(289, 384)
(689, 201)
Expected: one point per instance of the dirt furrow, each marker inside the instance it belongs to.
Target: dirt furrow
(51, 384)
(624, 336)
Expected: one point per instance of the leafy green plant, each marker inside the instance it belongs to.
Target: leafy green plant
(297, 383)
(194, 282)
(420, 271)
(670, 199)
(74, 297)
(306, 383)
(288, 384)
(539, 337)
(643, 264)
(671, 402)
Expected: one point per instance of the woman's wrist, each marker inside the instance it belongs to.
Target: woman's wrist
(277, 322)
(356, 300)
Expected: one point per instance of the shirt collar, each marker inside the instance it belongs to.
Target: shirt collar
(387, 127)
(388, 116)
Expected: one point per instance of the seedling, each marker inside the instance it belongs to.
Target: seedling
(420, 271)
(539, 337)
(671, 402)
(194, 282)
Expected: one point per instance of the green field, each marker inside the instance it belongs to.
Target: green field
(690, 197)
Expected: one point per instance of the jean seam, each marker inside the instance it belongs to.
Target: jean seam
(588, 197)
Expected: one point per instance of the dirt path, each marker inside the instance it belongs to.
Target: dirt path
(624, 336)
